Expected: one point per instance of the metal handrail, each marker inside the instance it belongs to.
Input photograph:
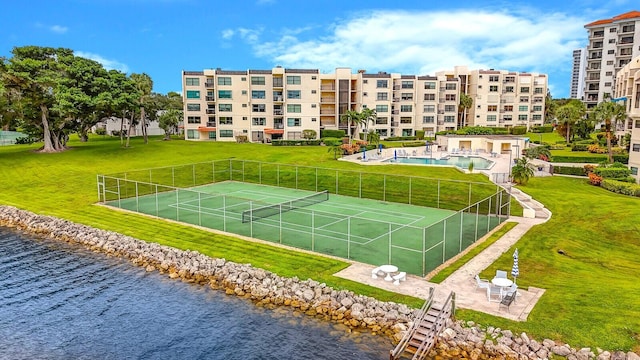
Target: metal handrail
(436, 326)
(402, 345)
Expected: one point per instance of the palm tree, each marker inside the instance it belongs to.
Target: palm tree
(144, 84)
(350, 117)
(335, 149)
(609, 113)
(466, 102)
(522, 171)
(569, 114)
(368, 115)
(373, 137)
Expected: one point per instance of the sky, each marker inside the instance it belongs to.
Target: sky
(414, 37)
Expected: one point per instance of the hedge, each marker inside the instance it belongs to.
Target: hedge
(332, 133)
(578, 159)
(542, 129)
(612, 172)
(621, 187)
(401, 138)
(518, 130)
(413, 144)
(569, 170)
(295, 142)
(580, 147)
(330, 141)
(621, 158)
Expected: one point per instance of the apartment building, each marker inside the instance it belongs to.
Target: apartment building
(628, 89)
(577, 73)
(612, 44)
(266, 105)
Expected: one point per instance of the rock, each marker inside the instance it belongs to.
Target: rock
(561, 350)
(448, 334)
(346, 302)
(604, 355)
(632, 356)
(618, 355)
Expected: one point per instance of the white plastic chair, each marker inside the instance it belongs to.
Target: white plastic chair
(482, 283)
(501, 274)
(494, 293)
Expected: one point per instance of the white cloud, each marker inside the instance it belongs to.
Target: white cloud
(249, 35)
(227, 34)
(58, 29)
(107, 63)
(425, 42)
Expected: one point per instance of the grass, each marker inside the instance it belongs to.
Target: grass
(548, 138)
(590, 291)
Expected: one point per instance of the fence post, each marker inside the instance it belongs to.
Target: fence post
(242, 170)
(469, 203)
(316, 179)
(390, 239)
(157, 211)
(137, 200)
(360, 187)
(260, 173)
(278, 175)
(213, 171)
(177, 205)
(444, 240)
(477, 221)
(461, 226)
(384, 187)
(337, 183)
(438, 205)
(193, 174)
(173, 176)
(410, 182)
(424, 245)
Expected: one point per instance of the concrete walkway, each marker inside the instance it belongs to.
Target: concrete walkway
(462, 281)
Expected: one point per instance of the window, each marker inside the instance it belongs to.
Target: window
(314, 119)
(244, 78)
(449, 119)
(244, 92)
(609, 62)
(609, 73)
(537, 108)
(223, 80)
(538, 90)
(244, 105)
(382, 96)
(450, 97)
(508, 89)
(226, 120)
(382, 108)
(405, 120)
(313, 106)
(610, 52)
(450, 108)
(428, 119)
(493, 88)
(494, 78)
(382, 84)
(508, 117)
(224, 94)
(294, 135)
(406, 108)
(523, 108)
(429, 97)
(294, 122)
(429, 108)
(294, 108)
(492, 117)
(430, 85)
(508, 108)
(192, 81)
(258, 121)
(258, 94)
(193, 107)
(226, 133)
(314, 77)
(451, 86)
(612, 30)
(637, 126)
(536, 117)
(313, 91)
(382, 120)
(257, 80)
(212, 135)
(258, 107)
(407, 84)
(293, 80)
(524, 99)
(293, 94)
(524, 89)
(365, 81)
(492, 108)
(225, 107)
(635, 147)
(382, 132)
(612, 41)
(406, 96)
(634, 170)
(522, 117)
(607, 84)
(192, 134)
(193, 119)
(193, 94)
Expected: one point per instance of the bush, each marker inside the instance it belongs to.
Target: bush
(569, 170)
(332, 133)
(101, 131)
(584, 142)
(612, 172)
(413, 144)
(329, 141)
(401, 138)
(420, 134)
(309, 134)
(621, 158)
(579, 147)
(596, 149)
(620, 187)
(518, 130)
(595, 179)
(25, 140)
(578, 159)
(542, 129)
(295, 142)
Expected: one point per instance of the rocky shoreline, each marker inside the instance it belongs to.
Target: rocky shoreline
(460, 340)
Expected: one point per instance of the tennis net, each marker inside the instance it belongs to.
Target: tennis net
(275, 209)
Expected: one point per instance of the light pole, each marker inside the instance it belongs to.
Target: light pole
(510, 152)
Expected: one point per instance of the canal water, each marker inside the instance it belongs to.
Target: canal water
(60, 301)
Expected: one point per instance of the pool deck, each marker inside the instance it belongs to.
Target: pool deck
(462, 280)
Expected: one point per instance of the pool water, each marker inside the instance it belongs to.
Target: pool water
(459, 161)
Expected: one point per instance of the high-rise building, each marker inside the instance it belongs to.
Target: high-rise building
(577, 73)
(628, 90)
(266, 105)
(612, 44)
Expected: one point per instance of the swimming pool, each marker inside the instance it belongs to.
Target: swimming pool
(459, 161)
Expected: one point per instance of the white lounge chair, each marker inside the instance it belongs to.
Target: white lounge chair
(399, 276)
(482, 283)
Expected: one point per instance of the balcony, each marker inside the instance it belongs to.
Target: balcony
(211, 111)
(278, 125)
(327, 99)
(327, 111)
(328, 87)
(278, 112)
(278, 98)
(627, 29)
(395, 123)
(598, 34)
(277, 82)
(208, 84)
(211, 124)
(210, 98)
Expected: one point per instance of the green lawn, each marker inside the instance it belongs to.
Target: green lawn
(590, 290)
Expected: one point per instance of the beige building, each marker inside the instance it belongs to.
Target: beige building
(628, 87)
(265, 105)
(612, 44)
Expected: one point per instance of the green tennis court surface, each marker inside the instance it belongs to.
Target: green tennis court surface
(371, 231)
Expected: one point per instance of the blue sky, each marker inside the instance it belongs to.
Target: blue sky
(164, 37)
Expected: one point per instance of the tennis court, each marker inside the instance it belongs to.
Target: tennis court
(371, 231)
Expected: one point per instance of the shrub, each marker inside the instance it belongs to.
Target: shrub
(401, 138)
(580, 147)
(612, 172)
(101, 131)
(332, 133)
(569, 170)
(350, 148)
(621, 158)
(578, 159)
(584, 142)
(595, 179)
(620, 187)
(596, 149)
(518, 130)
(420, 134)
(309, 134)
(413, 144)
(295, 142)
(329, 141)
(542, 129)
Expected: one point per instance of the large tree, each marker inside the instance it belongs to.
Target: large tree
(568, 115)
(144, 85)
(169, 121)
(466, 102)
(609, 113)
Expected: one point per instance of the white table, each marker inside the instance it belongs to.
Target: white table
(389, 269)
(501, 282)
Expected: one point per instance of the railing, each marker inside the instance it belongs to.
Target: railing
(278, 112)
(211, 124)
(448, 309)
(210, 98)
(208, 84)
(278, 126)
(211, 111)
(402, 345)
